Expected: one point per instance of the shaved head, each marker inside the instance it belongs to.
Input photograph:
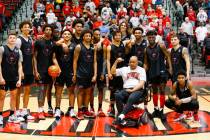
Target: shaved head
(133, 63)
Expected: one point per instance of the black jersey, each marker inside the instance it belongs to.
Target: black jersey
(100, 60)
(27, 52)
(85, 65)
(138, 50)
(9, 63)
(183, 92)
(178, 62)
(156, 61)
(75, 40)
(45, 50)
(117, 52)
(65, 60)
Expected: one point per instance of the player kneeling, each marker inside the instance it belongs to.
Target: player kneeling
(134, 78)
(183, 98)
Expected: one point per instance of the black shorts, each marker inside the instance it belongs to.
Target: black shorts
(116, 83)
(45, 79)
(157, 80)
(10, 85)
(62, 79)
(28, 80)
(84, 82)
(100, 84)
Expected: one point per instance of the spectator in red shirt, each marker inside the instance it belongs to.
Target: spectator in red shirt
(2, 12)
(192, 15)
(98, 23)
(165, 19)
(76, 10)
(66, 9)
(48, 7)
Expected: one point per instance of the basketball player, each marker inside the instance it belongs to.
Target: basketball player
(10, 75)
(100, 81)
(64, 59)
(43, 52)
(139, 46)
(183, 97)
(179, 58)
(154, 63)
(85, 72)
(78, 27)
(118, 48)
(25, 43)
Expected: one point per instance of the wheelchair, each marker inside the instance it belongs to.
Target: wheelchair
(138, 116)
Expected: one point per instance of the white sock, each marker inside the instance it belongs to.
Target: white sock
(121, 116)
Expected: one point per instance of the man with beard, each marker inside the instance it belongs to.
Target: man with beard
(139, 46)
(43, 51)
(154, 63)
(118, 48)
(85, 72)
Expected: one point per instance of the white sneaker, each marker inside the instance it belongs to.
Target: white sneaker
(13, 119)
(180, 117)
(57, 114)
(27, 114)
(1, 120)
(72, 113)
(19, 116)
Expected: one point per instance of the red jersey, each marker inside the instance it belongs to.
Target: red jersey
(191, 15)
(66, 10)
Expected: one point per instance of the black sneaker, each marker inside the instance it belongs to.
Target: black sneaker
(111, 112)
(162, 115)
(50, 111)
(68, 112)
(117, 121)
(156, 113)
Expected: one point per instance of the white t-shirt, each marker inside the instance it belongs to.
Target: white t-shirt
(131, 78)
(187, 27)
(201, 33)
(50, 18)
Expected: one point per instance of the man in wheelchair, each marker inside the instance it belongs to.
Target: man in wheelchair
(134, 78)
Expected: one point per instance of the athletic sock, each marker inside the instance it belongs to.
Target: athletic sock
(162, 100)
(155, 99)
(11, 112)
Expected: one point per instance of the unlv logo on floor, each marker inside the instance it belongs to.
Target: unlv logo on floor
(102, 127)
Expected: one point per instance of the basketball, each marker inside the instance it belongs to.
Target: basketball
(53, 71)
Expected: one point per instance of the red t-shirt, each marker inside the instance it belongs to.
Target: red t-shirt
(48, 7)
(97, 24)
(166, 19)
(66, 10)
(2, 8)
(191, 15)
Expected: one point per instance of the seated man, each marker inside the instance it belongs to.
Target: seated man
(134, 78)
(183, 97)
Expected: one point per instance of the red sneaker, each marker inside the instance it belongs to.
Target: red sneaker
(189, 115)
(196, 118)
(89, 114)
(101, 113)
(41, 116)
(80, 115)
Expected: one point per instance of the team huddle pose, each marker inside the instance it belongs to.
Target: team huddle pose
(84, 58)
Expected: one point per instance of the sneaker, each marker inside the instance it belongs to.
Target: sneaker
(25, 114)
(50, 111)
(189, 115)
(1, 120)
(92, 110)
(72, 113)
(80, 115)
(196, 118)
(179, 117)
(101, 113)
(111, 112)
(156, 113)
(13, 119)
(68, 112)
(19, 115)
(41, 116)
(57, 114)
(89, 114)
(162, 115)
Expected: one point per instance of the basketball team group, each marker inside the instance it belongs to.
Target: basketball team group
(85, 59)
